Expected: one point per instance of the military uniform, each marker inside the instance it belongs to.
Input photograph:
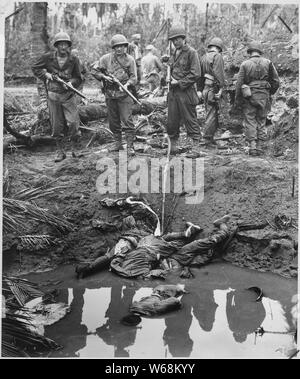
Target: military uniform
(182, 97)
(213, 79)
(151, 69)
(61, 102)
(261, 76)
(119, 104)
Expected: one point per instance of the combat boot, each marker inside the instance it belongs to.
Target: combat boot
(118, 143)
(75, 146)
(130, 147)
(253, 151)
(174, 146)
(209, 142)
(195, 151)
(61, 155)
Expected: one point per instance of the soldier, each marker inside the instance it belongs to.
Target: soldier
(182, 98)
(151, 68)
(135, 50)
(119, 104)
(61, 101)
(211, 85)
(257, 80)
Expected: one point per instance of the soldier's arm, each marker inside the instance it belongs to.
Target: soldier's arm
(132, 72)
(239, 83)
(97, 66)
(194, 73)
(218, 70)
(159, 65)
(76, 79)
(273, 79)
(39, 68)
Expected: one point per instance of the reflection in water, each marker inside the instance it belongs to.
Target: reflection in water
(243, 313)
(211, 323)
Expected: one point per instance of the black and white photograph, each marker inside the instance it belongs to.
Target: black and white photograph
(149, 182)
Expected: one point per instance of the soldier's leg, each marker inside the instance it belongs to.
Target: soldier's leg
(57, 120)
(173, 122)
(114, 122)
(211, 120)
(250, 125)
(72, 118)
(261, 118)
(125, 110)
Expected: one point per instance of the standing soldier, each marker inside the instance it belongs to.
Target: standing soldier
(61, 101)
(135, 50)
(182, 98)
(122, 66)
(151, 68)
(257, 80)
(211, 85)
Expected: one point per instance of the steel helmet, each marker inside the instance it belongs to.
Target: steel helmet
(62, 37)
(254, 46)
(177, 31)
(149, 47)
(216, 42)
(117, 40)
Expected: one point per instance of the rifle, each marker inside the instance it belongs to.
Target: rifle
(69, 86)
(117, 81)
(168, 78)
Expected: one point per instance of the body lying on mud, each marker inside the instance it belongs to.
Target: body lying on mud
(152, 256)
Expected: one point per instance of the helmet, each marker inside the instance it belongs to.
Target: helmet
(62, 37)
(176, 31)
(149, 47)
(118, 39)
(136, 36)
(255, 46)
(216, 42)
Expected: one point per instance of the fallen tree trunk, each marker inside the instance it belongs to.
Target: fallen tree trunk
(19, 139)
(96, 111)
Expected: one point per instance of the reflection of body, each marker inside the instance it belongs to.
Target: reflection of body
(244, 316)
(140, 258)
(204, 308)
(176, 334)
(70, 326)
(113, 332)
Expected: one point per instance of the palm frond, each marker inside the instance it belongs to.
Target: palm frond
(17, 214)
(19, 337)
(35, 242)
(21, 289)
(29, 194)
(6, 183)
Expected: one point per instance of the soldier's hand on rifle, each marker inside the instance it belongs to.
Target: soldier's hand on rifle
(48, 76)
(107, 78)
(66, 87)
(174, 81)
(218, 95)
(199, 94)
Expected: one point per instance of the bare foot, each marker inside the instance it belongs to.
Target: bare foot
(222, 220)
(192, 228)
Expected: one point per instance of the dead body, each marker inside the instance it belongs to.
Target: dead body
(149, 256)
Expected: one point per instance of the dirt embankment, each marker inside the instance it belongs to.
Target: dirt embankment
(251, 190)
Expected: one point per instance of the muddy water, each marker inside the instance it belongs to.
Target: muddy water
(218, 318)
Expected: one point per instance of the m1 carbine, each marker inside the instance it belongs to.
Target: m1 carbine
(117, 81)
(68, 85)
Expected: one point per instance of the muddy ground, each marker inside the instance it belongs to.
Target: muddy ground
(252, 190)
